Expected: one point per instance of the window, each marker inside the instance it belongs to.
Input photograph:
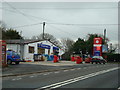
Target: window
(31, 49)
(41, 50)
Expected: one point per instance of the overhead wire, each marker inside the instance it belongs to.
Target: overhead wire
(73, 8)
(24, 14)
(63, 31)
(27, 25)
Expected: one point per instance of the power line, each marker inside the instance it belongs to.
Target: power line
(63, 31)
(24, 14)
(73, 8)
(85, 24)
(26, 25)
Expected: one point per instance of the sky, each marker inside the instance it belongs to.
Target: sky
(63, 19)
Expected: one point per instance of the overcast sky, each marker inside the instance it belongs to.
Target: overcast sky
(63, 19)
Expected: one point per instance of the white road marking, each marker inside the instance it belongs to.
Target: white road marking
(13, 79)
(46, 73)
(119, 88)
(32, 76)
(59, 84)
(78, 68)
(18, 78)
(65, 70)
(72, 69)
(56, 72)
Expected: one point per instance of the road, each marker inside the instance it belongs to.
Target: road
(84, 76)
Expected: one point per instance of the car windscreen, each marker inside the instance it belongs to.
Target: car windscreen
(8, 53)
(14, 53)
(100, 57)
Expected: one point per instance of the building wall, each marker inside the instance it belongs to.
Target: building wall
(14, 47)
(30, 56)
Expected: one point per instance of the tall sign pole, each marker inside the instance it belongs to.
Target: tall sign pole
(105, 35)
(43, 29)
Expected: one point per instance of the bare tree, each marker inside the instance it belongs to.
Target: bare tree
(48, 37)
(67, 43)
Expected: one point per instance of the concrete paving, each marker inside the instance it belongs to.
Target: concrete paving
(51, 63)
(36, 67)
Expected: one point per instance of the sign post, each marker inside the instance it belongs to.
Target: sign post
(97, 47)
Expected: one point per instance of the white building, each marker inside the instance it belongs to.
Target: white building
(28, 48)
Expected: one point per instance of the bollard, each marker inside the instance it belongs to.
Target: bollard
(78, 60)
(55, 59)
(72, 58)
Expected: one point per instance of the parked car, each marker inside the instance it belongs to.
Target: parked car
(88, 60)
(12, 56)
(98, 59)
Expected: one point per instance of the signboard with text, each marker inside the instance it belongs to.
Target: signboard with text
(97, 47)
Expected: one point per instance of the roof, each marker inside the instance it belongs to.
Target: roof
(22, 41)
(26, 41)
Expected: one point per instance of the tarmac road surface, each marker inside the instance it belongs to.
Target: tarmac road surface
(86, 76)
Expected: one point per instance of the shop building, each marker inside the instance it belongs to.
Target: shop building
(29, 49)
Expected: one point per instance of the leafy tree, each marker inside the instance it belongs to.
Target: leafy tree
(10, 34)
(79, 46)
(89, 42)
(84, 45)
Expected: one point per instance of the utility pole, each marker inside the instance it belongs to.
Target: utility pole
(105, 35)
(21, 46)
(43, 29)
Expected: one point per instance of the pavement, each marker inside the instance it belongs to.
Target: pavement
(37, 67)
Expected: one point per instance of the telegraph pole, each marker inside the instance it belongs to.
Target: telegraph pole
(105, 35)
(43, 29)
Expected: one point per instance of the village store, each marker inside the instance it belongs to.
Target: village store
(34, 50)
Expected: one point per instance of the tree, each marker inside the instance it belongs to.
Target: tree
(67, 43)
(47, 36)
(89, 42)
(79, 45)
(10, 34)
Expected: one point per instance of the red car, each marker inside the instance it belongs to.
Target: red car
(88, 60)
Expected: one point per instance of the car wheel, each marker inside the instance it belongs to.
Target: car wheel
(9, 62)
(16, 62)
(103, 62)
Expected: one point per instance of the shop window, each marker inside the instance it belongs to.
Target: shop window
(31, 49)
(41, 50)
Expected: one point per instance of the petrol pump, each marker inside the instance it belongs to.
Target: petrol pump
(3, 60)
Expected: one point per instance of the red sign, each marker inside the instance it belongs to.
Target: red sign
(98, 40)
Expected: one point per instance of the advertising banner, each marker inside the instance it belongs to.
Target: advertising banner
(104, 48)
(43, 46)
